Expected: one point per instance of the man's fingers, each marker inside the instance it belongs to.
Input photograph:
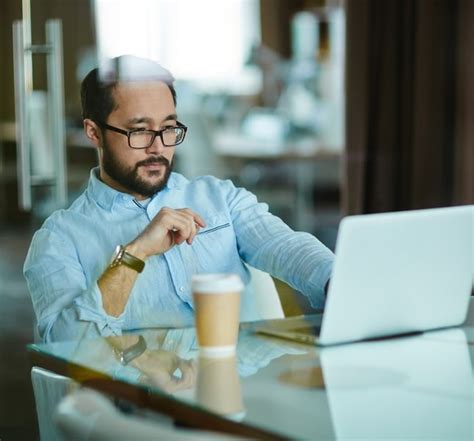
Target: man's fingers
(188, 372)
(198, 220)
(181, 225)
(184, 226)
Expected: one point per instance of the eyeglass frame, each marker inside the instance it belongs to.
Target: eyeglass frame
(156, 133)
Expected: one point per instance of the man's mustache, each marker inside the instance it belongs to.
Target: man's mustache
(153, 160)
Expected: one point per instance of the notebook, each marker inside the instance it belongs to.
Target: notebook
(394, 273)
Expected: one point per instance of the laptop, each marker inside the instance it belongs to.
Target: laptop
(394, 273)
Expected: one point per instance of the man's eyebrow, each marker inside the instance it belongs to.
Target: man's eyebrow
(172, 117)
(139, 120)
(145, 119)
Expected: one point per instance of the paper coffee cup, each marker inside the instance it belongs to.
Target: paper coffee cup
(218, 387)
(217, 309)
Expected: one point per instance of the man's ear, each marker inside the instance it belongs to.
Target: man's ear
(92, 131)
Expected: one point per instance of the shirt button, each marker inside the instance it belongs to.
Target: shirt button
(181, 289)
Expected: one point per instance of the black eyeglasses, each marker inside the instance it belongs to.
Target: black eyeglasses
(144, 138)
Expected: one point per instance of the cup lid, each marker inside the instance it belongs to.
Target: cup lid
(214, 283)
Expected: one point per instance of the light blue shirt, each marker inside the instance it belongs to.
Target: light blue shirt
(74, 247)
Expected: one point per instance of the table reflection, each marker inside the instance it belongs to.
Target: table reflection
(218, 387)
(171, 358)
(417, 388)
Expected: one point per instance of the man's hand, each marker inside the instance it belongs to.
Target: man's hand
(169, 227)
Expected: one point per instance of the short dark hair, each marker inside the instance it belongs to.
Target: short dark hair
(97, 87)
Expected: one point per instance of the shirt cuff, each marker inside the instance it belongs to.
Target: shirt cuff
(321, 281)
(90, 309)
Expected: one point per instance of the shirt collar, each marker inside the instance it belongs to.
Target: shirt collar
(107, 196)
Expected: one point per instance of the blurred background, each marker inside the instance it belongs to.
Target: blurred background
(322, 108)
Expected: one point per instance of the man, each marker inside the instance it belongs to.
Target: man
(162, 227)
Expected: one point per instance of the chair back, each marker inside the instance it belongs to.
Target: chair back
(266, 295)
(49, 389)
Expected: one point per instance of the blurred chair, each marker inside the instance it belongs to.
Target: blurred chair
(88, 415)
(266, 295)
(49, 389)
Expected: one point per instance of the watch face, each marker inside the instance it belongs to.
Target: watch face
(117, 256)
(117, 250)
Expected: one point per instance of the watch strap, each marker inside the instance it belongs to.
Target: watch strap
(125, 258)
(133, 262)
(129, 354)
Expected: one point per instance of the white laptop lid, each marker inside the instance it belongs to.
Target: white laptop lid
(399, 272)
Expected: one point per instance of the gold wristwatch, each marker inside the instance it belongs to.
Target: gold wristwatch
(122, 257)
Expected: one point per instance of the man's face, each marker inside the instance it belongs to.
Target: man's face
(141, 172)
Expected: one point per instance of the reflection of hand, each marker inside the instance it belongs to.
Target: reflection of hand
(159, 366)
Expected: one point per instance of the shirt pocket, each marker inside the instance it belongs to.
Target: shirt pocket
(214, 249)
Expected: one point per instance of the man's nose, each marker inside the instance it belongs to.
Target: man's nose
(156, 147)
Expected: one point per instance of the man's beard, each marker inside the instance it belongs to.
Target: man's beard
(129, 178)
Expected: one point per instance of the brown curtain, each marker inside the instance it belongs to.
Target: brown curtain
(410, 105)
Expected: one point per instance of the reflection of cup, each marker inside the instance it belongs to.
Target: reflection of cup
(218, 386)
(217, 307)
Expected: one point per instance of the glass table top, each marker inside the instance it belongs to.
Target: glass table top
(412, 387)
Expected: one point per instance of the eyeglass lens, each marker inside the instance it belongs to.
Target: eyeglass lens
(145, 138)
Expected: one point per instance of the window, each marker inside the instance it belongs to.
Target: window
(205, 41)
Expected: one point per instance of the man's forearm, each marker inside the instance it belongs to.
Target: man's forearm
(115, 285)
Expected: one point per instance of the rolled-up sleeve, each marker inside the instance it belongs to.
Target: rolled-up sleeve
(65, 304)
